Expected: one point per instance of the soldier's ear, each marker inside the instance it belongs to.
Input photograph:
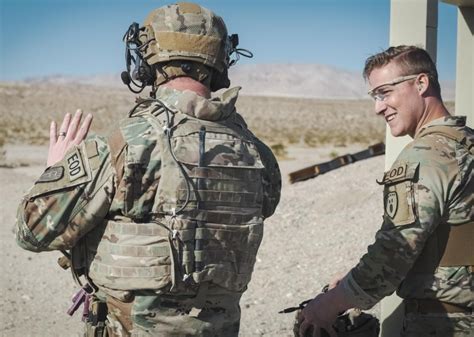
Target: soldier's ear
(422, 83)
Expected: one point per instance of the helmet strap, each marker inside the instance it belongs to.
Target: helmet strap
(181, 68)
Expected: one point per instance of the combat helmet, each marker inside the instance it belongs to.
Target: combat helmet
(182, 39)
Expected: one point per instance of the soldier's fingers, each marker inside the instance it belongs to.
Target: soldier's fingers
(64, 126)
(82, 133)
(72, 130)
(53, 137)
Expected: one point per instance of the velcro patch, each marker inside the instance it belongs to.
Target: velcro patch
(396, 174)
(391, 204)
(75, 166)
(51, 174)
(399, 203)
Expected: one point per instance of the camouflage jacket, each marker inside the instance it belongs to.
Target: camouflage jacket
(431, 183)
(79, 193)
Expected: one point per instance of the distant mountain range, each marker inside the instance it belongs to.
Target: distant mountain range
(287, 80)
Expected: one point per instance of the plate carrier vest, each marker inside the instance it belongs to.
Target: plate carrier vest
(190, 200)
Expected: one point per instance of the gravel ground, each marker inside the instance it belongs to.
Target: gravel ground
(320, 229)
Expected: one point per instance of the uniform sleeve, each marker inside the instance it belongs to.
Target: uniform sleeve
(271, 180)
(271, 175)
(416, 190)
(68, 200)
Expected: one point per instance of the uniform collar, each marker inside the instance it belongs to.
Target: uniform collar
(215, 108)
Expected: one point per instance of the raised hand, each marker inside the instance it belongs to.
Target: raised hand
(69, 135)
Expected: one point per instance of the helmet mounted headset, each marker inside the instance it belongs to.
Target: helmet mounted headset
(177, 40)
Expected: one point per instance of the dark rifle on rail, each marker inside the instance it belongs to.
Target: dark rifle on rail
(315, 170)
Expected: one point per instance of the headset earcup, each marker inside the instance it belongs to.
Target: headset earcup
(220, 80)
(146, 74)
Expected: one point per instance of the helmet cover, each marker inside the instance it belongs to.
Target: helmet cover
(186, 31)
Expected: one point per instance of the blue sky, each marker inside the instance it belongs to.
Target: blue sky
(83, 37)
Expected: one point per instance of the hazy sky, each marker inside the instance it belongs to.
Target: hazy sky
(84, 37)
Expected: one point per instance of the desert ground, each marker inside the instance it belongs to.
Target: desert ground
(321, 227)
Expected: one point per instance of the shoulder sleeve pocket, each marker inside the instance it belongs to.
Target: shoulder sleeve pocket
(72, 171)
(399, 193)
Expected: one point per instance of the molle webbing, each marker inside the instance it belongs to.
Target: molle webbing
(223, 213)
(220, 227)
(224, 187)
(132, 256)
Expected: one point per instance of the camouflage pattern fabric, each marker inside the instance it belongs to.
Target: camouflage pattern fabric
(119, 317)
(98, 191)
(438, 325)
(209, 310)
(430, 183)
(186, 31)
(69, 199)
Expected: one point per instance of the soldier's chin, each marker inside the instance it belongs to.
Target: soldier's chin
(397, 133)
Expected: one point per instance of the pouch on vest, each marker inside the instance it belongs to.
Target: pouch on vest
(132, 255)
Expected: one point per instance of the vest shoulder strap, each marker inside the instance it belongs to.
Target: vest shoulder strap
(447, 131)
(117, 145)
(451, 133)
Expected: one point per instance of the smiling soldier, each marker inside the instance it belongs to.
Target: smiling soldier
(424, 248)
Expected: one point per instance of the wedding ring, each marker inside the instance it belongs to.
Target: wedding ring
(62, 134)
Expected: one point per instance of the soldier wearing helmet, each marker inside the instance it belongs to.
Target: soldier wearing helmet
(161, 220)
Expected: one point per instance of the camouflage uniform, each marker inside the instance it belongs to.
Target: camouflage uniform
(116, 206)
(428, 189)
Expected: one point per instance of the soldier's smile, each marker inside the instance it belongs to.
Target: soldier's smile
(390, 118)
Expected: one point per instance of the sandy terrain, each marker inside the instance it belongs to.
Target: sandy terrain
(320, 228)
(277, 120)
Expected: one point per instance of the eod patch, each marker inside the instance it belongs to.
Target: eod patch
(75, 165)
(395, 174)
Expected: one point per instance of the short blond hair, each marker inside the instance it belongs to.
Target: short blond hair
(411, 60)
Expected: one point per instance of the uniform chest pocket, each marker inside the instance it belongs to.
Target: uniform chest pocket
(399, 194)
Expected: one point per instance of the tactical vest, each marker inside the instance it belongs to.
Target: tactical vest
(192, 201)
(450, 245)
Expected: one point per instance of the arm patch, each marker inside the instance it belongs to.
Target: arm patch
(399, 194)
(75, 165)
(51, 174)
(71, 171)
